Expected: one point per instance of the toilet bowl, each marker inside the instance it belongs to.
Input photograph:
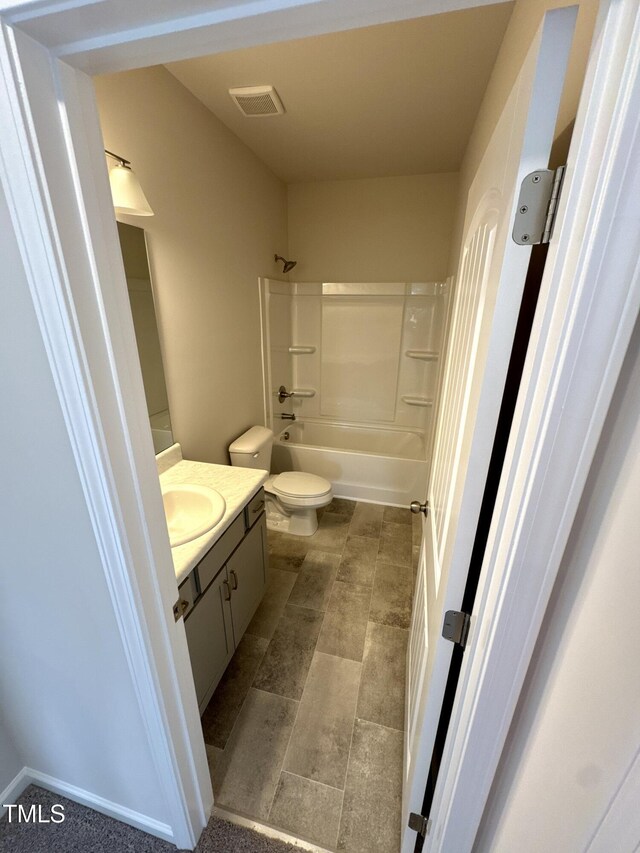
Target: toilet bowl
(292, 498)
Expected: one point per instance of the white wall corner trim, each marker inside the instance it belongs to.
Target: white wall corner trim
(13, 790)
(27, 776)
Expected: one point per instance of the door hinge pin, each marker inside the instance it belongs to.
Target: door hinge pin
(420, 824)
(456, 627)
(553, 203)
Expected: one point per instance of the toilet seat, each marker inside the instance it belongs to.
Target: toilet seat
(297, 489)
(297, 484)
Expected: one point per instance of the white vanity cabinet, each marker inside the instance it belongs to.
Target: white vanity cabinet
(229, 581)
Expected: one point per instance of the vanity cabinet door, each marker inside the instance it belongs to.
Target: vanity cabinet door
(210, 638)
(247, 577)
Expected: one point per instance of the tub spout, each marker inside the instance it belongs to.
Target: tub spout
(287, 417)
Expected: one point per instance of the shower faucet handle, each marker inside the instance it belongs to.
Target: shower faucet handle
(283, 394)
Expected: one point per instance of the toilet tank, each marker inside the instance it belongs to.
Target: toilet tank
(252, 449)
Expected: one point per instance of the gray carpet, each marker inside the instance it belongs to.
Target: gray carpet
(87, 831)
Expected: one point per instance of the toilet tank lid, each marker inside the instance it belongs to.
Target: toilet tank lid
(252, 440)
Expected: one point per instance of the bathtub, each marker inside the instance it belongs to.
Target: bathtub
(364, 463)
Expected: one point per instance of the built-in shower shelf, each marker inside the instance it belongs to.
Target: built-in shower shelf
(302, 350)
(423, 402)
(422, 354)
(303, 392)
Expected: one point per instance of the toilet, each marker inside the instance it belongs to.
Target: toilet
(292, 498)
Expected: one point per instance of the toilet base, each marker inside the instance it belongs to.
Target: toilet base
(302, 522)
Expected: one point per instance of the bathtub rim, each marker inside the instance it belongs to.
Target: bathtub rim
(278, 440)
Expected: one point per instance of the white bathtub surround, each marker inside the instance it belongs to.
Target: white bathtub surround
(359, 358)
(363, 348)
(370, 353)
(362, 369)
(236, 485)
(277, 344)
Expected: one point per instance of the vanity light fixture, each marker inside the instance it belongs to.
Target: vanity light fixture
(126, 191)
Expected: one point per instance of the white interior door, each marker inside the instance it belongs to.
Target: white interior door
(488, 290)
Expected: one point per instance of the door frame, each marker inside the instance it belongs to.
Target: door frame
(54, 176)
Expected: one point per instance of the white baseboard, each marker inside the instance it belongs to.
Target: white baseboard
(27, 776)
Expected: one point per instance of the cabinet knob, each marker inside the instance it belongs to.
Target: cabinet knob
(234, 578)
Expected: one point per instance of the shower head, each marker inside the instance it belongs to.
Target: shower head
(288, 265)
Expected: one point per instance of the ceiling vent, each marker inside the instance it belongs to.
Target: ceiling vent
(256, 101)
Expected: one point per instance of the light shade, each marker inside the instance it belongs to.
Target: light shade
(127, 193)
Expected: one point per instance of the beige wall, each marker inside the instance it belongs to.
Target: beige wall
(523, 25)
(374, 229)
(220, 215)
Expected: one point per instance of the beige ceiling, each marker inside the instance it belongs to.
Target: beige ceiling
(394, 99)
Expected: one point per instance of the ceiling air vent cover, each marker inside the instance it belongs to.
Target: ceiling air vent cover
(256, 101)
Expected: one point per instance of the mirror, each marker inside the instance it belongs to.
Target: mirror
(136, 268)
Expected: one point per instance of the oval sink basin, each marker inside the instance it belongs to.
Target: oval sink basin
(191, 511)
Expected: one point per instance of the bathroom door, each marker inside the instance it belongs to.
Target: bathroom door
(488, 290)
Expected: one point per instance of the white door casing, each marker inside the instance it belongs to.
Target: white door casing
(488, 291)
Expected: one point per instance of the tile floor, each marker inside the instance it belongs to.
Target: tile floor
(305, 730)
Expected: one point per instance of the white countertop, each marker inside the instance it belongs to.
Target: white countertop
(236, 485)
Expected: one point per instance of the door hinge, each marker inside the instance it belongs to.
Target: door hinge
(456, 627)
(537, 206)
(420, 824)
(180, 608)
